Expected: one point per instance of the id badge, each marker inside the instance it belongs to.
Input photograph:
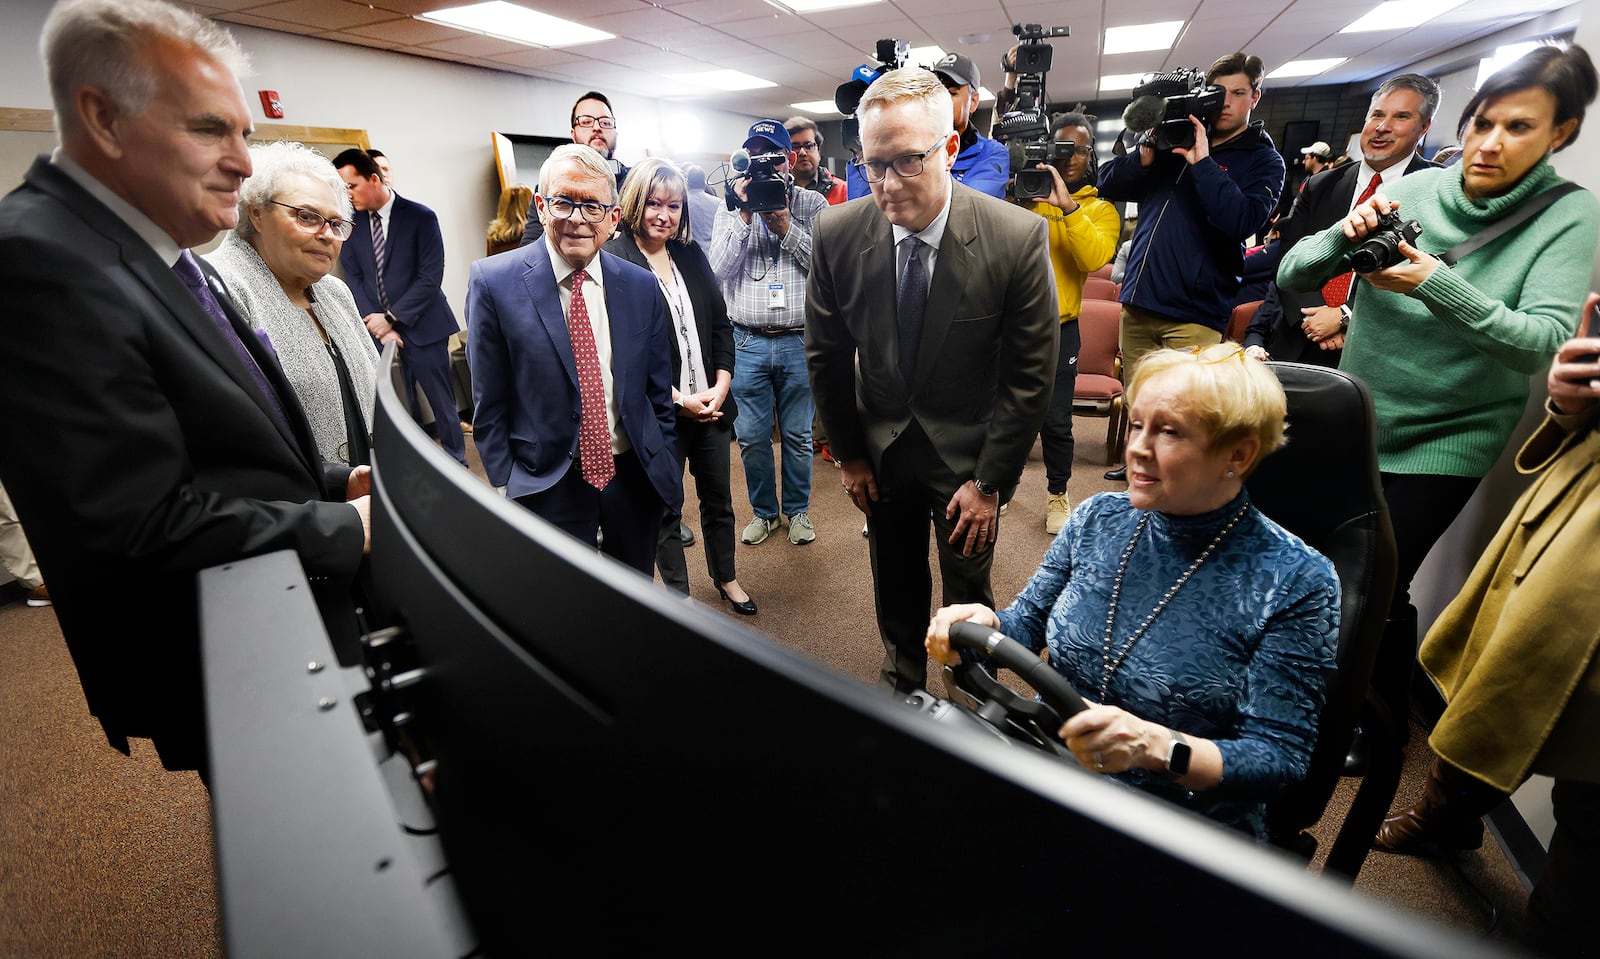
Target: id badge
(775, 300)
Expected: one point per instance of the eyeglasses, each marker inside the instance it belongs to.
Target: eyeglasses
(807, 145)
(906, 166)
(562, 208)
(585, 123)
(313, 222)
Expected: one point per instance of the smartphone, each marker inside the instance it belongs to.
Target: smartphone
(1591, 328)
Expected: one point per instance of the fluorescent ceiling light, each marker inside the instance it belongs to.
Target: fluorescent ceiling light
(1401, 15)
(1305, 68)
(1501, 57)
(1113, 82)
(1109, 126)
(812, 6)
(816, 106)
(925, 56)
(724, 80)
(984, 93)
(1143, 36)
(507, 21)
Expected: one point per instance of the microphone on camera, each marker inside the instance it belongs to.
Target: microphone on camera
(1144, 113)
(740, 162)
(1019, 155)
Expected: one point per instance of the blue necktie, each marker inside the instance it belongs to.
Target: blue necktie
(189, 272)
(910, 304)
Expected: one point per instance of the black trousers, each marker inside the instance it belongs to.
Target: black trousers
(706, 447)
(626, 515)
(1056, 435)
(914, 482)
(1559, 921)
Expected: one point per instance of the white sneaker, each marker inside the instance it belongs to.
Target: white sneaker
(759, 529)
(1056, 510)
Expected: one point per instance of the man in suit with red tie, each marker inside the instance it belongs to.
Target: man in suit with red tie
(1310, 327)
(572, 371)
(394, 263)
(149, 433)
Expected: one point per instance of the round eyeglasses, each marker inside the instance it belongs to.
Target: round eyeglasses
(587, 122)
(905, 167)
(313, 222)
(562, 208)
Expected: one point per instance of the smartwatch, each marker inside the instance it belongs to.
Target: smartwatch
(1178, 755)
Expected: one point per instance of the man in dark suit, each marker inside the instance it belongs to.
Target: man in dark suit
(1310, 327)
(148, 433)
(572, 371)
(931, 329)
(399, 296)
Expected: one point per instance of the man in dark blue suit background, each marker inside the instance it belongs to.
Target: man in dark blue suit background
(572, 370)
(402, 299)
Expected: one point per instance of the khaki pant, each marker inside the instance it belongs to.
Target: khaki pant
(15, 553)
(1145, 332)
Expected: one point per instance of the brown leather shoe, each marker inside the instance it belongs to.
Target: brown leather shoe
(1423, 829)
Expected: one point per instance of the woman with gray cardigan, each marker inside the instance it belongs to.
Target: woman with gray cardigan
(294, 215)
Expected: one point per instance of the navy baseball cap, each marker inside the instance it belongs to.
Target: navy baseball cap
(771, 131)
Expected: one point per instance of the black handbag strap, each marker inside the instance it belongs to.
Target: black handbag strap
(1524, 213)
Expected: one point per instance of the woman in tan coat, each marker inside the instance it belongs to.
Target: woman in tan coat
(1514, 655)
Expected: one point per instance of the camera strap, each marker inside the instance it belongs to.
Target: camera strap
(1500, 228)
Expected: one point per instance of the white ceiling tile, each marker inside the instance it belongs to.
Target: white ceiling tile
(323, 14)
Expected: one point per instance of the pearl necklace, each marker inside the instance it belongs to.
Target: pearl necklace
(1109, 664)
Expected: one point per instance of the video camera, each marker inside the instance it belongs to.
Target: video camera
(1025, 129)
(766, 190)
(892, 55)
(1164, 102)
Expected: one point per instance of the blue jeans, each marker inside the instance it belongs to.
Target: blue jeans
(769, 376)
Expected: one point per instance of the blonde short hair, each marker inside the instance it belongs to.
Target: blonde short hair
(643, 180)
(1230, 395)
(909, 85)
(586, 157)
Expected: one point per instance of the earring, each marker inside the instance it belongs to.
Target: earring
(1230, 474)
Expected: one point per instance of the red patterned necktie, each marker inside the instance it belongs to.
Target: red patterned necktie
(594, 433)
(1337, 290)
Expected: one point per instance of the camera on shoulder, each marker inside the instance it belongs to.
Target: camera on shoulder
(1163, 102)
(1025, 129)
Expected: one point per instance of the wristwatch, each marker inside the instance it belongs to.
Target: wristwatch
(986, 489)
(1344, 318)
(1178, 755)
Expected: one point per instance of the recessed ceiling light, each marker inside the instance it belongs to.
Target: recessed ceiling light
(812, 6)
(724, 80)
(1109, 126)
(973, 39)
(1142, 36)
(1306, 68)
(507, 21)
(1401, 15)
(1111, 83)
(815, 106)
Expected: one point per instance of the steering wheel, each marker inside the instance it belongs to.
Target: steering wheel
(1021, 718)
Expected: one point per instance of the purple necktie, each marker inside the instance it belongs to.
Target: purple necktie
(380, 257)
(189, 272)
(911, 303)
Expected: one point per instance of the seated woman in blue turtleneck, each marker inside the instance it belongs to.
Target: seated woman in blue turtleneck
(1201, 632)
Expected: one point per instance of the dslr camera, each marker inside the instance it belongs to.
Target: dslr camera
(1025, 129)
(1381, 249)
(1167, 100)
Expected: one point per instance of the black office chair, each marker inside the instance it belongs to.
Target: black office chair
(1323, 486)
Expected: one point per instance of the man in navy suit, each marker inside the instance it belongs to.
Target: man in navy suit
(1310, 327)
(149, 433)
(401, 300)
(572, 370)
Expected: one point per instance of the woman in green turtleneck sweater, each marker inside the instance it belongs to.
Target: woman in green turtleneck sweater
(1448, 351)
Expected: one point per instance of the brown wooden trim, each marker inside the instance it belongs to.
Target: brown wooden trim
(23, 118)
(41, 121)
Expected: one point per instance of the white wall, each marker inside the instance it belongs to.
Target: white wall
(433, 118)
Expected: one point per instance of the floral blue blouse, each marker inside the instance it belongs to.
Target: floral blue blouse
(1240, 656)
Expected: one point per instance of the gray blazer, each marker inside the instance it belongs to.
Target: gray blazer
(305, 360)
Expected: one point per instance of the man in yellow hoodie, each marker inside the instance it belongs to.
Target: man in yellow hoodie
(1083, 237)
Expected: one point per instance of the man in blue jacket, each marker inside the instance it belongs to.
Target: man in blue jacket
(1196, 207)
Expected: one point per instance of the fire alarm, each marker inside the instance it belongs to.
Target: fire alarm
(271, 105)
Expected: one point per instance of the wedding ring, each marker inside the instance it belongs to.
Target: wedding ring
(1099, 762)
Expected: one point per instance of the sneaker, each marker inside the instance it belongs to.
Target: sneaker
(800, 531)
(1056, 509)
(824, 451)
(39, 596)
(759, 529)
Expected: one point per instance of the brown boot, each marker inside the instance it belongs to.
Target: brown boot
(1447, 819)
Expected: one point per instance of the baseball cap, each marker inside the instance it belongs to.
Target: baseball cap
(957, 68)
(1320, 150)
(771, 131)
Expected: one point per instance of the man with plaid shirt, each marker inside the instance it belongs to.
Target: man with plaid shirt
(762, 261)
